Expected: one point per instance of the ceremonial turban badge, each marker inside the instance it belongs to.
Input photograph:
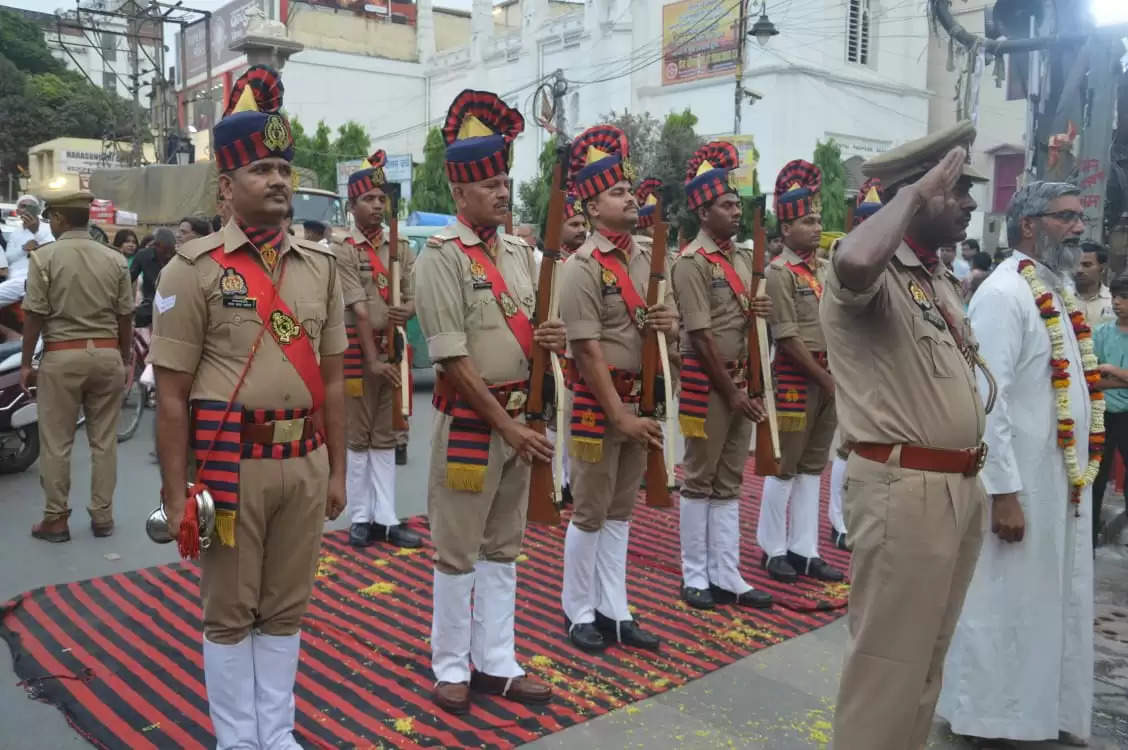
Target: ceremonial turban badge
(479, 132)
(252, 126)
(370, 178)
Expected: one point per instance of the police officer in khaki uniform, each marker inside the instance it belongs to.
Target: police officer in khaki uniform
(371, 381)
(900, 348)
(247, 341)
(606, 315)
(80, 299)
(475, 292)
(714, 287)
(788, 529)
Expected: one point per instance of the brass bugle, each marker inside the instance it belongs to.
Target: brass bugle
(156, 525)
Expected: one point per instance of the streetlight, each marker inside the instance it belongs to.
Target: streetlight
(763, 29)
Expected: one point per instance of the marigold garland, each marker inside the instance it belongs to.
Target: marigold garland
(1059, 379)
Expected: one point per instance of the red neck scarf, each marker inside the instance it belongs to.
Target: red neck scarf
(375, 236)
(487, 234)
(621, 240)
(267, 240)
(724, 244)
(930, 259)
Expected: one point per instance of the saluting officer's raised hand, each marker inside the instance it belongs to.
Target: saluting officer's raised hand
(935, 188)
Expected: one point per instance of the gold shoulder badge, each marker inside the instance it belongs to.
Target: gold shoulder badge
(477, 272)
(284, 327)
(919, 297)
(609, 278)
(232, 283)
(718, 272)
(275, 136)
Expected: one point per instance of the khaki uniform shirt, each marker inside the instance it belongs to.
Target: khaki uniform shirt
(79, 286)
(591, 309)
(795, 306)
(358, 285)
(706, 300)
(461, 317)
(194, 332)
(901, 377)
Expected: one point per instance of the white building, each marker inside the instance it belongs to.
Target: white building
(848, 70)
(999, 151)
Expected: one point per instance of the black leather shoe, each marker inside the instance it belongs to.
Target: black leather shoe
(750, 598)
(697, 598)
(838, 539)
(626, 633)
(397, 536)
(360, 535)
(585, 636)
(779, 569)
(815, 567)
(401, 455)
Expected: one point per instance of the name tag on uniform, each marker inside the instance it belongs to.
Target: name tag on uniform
(240, 303)
(483, 285)
(611, 290)
(805, 290)
(720, 284)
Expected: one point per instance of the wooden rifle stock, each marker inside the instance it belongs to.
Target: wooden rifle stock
(396, 338)
(542, 491)
(850, 207)
(509, 213)
(657, 482)
(759, 364)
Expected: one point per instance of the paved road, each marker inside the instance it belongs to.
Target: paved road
(780, 698)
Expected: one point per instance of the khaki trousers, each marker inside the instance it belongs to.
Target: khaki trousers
(70, 378)
(806, 451)
(471, 526)
(607, 490)
(714, 464)
(369, 416)
(265, 580)
(916, 538)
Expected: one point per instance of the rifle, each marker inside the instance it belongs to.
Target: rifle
(759, 364)
(659, 472)
(509, 213)
(850, 206)
(395, 335)
(544, 486)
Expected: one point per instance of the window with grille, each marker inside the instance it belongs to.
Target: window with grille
(109, 47)
(109, 81)
(858, 23)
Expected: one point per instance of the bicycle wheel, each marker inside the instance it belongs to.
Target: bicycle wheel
(132, 406)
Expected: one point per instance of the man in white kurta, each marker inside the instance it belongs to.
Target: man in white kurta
(1020, 666)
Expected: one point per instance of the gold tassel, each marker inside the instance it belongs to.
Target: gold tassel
(692, 427)
(225, 527)
(792, 423)
(466, 477)
(354, 387)
(588, 450)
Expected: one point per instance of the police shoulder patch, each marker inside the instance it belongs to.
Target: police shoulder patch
(193, 250)
(315, 247)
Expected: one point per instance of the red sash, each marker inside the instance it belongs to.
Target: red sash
(515, 317)
(283, 325)
(734, 281)
(636, 306)
(804, 272)
(379, 272)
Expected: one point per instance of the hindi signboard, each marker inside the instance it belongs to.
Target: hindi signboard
(699, 40)
(228, 24)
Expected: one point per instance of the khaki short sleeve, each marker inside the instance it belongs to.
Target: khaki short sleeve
(333, 337)
(691, 291)
(180, 318)
(439, 304)
(349, 273)
(581, 307)
(848, 298)
(781, 288)
(407, 272)
(35, 288)
(123, 304)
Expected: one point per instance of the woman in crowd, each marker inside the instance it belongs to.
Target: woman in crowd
(125, 240)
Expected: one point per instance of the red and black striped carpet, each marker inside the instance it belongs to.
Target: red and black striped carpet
(120, 655)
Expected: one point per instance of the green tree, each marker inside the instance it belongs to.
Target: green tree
(828, 158)
(677, 141)
(642, 132)
(320, 152)
(41, 100)
(534, 194)
(429, 188)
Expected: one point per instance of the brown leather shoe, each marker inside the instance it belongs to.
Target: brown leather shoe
(52, 530)
(102, 529)
(521, 689)
(452, 697)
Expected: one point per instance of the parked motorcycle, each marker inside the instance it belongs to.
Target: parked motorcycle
(19, 415)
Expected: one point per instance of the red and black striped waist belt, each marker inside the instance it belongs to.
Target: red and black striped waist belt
(272, 426)
(627, 384)
(511, 395)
